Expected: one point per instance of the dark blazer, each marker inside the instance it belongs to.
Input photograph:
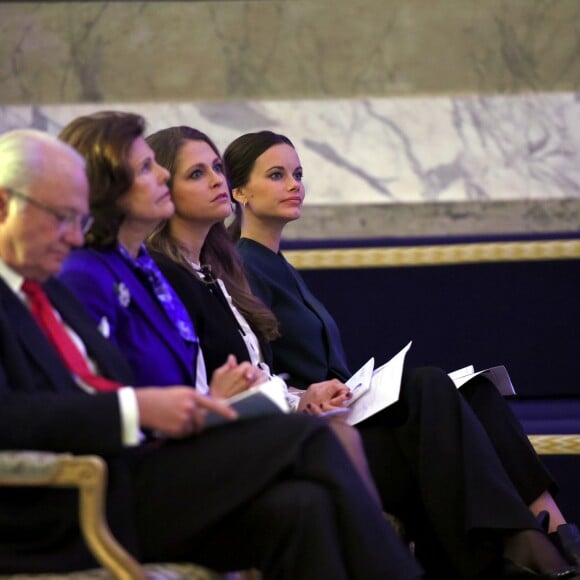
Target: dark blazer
(215, 323)
(309, 348)
(119, 301)
(42, 408)
(29, 364)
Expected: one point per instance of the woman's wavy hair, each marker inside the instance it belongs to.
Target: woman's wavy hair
(218, 251)
(239, 159)
(104, 139)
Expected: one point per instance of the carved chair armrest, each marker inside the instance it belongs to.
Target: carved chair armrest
(87, 473)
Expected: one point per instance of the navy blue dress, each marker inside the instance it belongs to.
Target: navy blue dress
(446, 464)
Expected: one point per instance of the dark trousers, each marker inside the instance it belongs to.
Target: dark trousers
(280, 495)
(519, 459)
(437, 469)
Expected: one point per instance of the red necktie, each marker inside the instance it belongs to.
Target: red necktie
(44, 314)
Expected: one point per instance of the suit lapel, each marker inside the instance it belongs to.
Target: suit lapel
(336, 355)
(150, 310)
(35, 344)
(309, 298)
(109, 360)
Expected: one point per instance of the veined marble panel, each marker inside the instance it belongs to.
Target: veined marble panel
(389, 150)
(461, 218)
(127, 51)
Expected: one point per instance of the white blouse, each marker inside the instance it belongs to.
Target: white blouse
(250, 339)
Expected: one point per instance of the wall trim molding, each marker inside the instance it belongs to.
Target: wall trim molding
(433, 255)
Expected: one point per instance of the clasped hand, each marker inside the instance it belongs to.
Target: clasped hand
(178, 410)
(322, 397)
(233, 378)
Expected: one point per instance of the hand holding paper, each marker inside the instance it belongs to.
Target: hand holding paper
(383, 389)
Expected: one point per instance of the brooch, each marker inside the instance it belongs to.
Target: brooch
(123, 294)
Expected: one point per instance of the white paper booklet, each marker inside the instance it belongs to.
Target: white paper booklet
(497, 375)
(360, 382)
(374, 390)
(265, 399)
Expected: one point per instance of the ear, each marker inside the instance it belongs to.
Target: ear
(240, 196)
(4, 201)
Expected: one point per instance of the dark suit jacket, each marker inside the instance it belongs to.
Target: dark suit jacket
(214, 321)
(118, 299)
(29, 364)
(42, 408)
(310, 348)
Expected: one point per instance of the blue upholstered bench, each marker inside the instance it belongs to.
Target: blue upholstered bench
(485, 300)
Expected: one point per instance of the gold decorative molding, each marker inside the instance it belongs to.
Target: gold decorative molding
(434, 255)
(556, 444)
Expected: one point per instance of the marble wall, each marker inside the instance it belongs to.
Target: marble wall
(67, 52)
(406, 108)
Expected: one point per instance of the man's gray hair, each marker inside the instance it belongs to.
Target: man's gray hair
(25, 154)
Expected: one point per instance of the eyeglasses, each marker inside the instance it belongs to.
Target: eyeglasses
(66, 218)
